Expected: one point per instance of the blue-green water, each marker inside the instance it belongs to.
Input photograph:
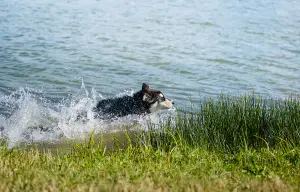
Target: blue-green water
(187, 49)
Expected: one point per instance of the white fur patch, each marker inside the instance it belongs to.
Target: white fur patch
(160, 105)
(154, 107)
(145, 97)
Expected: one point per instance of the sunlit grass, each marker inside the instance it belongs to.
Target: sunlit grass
(145, 168)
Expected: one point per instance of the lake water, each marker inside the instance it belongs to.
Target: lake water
(187, 49)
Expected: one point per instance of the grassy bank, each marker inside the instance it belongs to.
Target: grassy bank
(148, 169)
(227, 144)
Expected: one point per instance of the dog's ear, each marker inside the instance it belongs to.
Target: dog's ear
(145, 86)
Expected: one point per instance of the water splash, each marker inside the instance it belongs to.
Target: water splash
(30, 117)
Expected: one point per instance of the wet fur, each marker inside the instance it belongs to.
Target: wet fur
(141, 102)
(122, 106)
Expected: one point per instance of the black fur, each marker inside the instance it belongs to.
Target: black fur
(139, 103)
(123, 106)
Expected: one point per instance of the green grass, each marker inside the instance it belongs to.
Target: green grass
(144, 168)
(228, 144)
(230, 123)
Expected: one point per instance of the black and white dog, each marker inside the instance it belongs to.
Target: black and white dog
(145, 101)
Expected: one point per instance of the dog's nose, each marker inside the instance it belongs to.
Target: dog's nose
(173, 102)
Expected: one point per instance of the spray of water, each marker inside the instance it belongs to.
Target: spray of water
(32, 118)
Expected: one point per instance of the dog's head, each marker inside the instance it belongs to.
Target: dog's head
(155, 99)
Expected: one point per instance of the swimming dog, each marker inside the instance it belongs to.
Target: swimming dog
(145, 101)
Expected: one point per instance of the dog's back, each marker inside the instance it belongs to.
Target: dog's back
(119, 107)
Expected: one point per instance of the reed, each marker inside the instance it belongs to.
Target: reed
(231, 123)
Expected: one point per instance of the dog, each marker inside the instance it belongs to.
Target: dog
(145, 101)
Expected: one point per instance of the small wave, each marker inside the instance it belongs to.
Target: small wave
(30, 117)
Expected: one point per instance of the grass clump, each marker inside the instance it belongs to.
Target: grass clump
(228, 144)
(230, 123)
